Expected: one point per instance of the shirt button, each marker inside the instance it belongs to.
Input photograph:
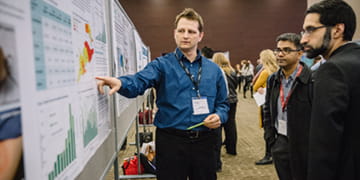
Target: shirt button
(193, 88)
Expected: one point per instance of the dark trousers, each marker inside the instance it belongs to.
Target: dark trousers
(281, 158)
(182, 155)
(267, 143)
(230, 131)
(267, 149)
(247, 85)
(218, 162)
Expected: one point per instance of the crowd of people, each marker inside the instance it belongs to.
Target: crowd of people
(309, 116)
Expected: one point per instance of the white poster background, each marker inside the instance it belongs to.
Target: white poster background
(123, 52)
(59, 100)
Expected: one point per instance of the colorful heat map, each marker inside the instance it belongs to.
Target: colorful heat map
(86, 55)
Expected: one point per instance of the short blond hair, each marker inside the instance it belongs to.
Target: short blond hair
(190, 14)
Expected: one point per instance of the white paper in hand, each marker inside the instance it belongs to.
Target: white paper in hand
(259, 98)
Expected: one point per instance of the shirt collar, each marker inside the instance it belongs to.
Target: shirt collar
(293, 75)
(180, 56)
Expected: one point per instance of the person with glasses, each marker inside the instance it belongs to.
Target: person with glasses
(334, 143)
(191, 99)
(287, 109)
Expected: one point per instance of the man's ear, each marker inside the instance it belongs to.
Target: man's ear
(339, 31)
(201, 36)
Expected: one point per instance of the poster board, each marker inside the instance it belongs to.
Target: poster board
(54, 50)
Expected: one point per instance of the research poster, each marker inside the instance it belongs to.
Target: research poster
(51, 51)
(123, 51)
(142, 52)
(54, 49)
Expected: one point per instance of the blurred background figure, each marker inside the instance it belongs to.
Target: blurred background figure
(269, 66)
(230, 125)
(238, 75)
(247, 72)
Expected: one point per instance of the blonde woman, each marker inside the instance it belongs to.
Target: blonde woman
(230, 126)
(268, 59)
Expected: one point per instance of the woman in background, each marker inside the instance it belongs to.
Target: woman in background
(230, 125)
(268, 60)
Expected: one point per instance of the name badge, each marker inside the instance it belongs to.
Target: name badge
(200, 105)
(282, 128)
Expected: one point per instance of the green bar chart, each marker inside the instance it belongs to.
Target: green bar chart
(90, 124)
(69, 154)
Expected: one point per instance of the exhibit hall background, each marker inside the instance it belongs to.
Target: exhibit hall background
(242, 27)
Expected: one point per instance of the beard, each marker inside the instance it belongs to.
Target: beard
(313, 52)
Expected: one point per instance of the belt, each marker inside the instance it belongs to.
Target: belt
(191, 134)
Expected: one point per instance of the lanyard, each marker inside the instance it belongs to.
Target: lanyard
(284, 101)
(196, 83)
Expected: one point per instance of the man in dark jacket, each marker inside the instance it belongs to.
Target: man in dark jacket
(334, 143)
(287, 109)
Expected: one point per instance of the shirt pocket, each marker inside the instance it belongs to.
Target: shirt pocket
(209, 90)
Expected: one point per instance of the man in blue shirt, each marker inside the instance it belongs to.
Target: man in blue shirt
(190, 90)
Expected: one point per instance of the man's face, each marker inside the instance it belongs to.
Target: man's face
(187, 35)
(288, 55)
(316, 37)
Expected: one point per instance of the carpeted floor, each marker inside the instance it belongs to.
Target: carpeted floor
(250, 148)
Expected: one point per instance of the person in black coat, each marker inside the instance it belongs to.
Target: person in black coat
(334, 143)
(287, 109)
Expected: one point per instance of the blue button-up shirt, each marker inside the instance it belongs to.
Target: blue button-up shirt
(175, 90)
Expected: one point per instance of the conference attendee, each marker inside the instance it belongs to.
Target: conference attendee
(232, 82)
(318, 61)
(334, 144)
(238, 74)
(287, 109)
(247, 73)
(10, 125)
(269, 66)
(258, 66)
(207, 52)
(190, 90)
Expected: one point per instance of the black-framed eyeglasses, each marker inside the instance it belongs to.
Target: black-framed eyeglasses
(285, 51)
(310, 30)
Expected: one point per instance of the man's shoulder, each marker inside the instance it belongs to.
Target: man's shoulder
(207, 62)
(166, 59)
(347, 50)
(274, 76)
